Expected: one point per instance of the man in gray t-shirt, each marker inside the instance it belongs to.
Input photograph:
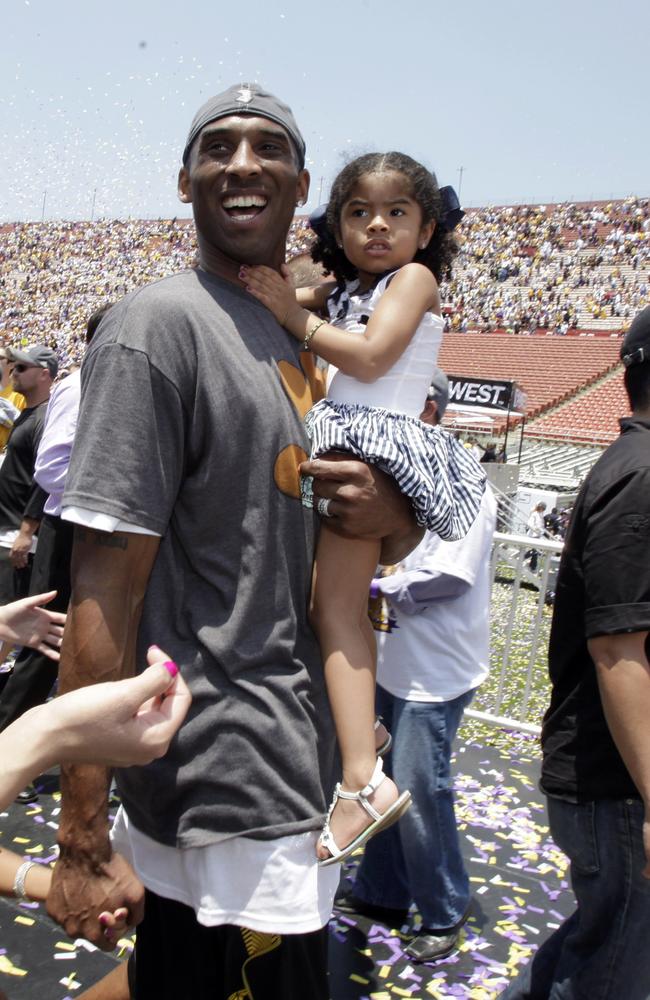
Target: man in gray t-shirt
(191, 534)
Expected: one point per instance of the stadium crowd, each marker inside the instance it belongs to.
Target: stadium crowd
(522, 268)
(554, 268)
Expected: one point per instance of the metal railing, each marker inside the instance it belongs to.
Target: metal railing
(516, 694)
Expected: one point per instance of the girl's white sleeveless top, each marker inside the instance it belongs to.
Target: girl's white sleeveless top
(403, 388)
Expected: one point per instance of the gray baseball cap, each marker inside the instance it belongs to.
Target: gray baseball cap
(38, 355)
(250, 99)
(439, 391)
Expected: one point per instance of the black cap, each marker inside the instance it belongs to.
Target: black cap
(636, 343)
(248, 98)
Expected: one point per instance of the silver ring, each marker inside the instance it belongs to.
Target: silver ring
(323, 507)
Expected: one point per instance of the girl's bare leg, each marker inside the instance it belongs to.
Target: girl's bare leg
(344, 569)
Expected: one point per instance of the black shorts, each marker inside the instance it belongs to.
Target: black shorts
(177, 958)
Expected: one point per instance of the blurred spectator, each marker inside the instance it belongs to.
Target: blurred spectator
(21, 500)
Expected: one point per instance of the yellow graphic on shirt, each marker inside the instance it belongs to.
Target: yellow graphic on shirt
(257, 944)
(304, 388)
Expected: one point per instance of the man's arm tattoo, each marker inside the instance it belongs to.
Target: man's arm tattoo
(105, 538)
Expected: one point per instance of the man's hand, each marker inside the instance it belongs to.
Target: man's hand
(365, 503)
(82, 889)
(22, 547)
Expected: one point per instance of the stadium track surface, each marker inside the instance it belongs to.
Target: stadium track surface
(519, 885)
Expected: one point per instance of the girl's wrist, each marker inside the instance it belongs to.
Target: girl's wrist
(297, 321)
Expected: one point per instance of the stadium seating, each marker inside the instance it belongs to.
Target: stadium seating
(592, 416)
(548, 369)
(579, 269)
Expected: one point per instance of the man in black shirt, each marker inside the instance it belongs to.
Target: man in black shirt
(596, 733)
(21, 500)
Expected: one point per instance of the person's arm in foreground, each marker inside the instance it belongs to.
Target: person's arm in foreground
(27, 623)
(111, 724)
(109, 579)
(623, 674)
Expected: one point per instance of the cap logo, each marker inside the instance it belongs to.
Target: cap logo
(245, 95)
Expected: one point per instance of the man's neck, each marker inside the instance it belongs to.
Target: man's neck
(215, 262)
(36, 397)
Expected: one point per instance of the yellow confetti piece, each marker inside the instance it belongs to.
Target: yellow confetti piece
(21, 840)
(398, 991)
(65, 946)
(384, 972)
(476, 878)
(358, 979)
(365, 951)
(27, 921)
(7, 966)
(34, 850)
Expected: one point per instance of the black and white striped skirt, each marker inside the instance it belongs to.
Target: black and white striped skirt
(443, 481)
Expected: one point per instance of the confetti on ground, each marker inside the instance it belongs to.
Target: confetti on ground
(518, 878)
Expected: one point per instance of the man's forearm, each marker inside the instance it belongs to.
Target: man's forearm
(109, 578)
(624, 679)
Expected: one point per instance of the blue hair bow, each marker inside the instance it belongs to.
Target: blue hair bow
(451, 213)
(318, 221)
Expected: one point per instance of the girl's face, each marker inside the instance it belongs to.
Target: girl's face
(381, 225)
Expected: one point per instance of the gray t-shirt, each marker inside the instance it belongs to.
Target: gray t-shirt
(188, 427)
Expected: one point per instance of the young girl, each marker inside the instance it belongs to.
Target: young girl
(387, 240)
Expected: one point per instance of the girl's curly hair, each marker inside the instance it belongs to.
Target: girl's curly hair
(442, 247)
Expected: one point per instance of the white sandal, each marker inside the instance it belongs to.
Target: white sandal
(388, 742)
(380, 821)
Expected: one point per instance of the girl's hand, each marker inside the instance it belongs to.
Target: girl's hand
(25, 623)
(119, 723)
(115, 924)
(274, 290)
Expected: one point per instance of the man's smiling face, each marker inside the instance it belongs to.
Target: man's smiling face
(243, 181)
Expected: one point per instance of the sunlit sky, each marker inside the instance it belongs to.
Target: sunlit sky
(535, 102)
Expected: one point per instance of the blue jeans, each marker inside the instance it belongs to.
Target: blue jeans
(419, 858)
(601, 952)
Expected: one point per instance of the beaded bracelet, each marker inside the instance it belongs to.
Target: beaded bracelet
(307, 341)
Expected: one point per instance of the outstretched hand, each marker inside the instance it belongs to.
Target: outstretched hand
(274, 290)
(119, 723)
(27, 623)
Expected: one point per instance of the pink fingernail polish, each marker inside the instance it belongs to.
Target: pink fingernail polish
(171, 667)
(155, 649)
(103, 919)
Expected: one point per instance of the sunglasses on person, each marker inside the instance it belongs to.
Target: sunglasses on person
(20, 367)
